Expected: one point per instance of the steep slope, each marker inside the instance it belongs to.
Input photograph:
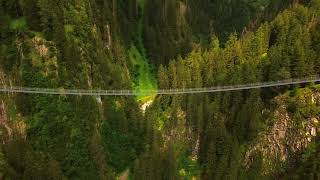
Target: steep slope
(291, 137)
(217, 128)
(173, 28)
(110, 44)
(143, 75)
(60, 44)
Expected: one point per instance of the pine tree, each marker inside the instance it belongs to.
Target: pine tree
(163, 78)
(169, 164)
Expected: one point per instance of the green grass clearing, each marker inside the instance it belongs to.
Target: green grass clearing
(144, 79)
(18, 24)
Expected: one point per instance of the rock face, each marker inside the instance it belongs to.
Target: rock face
(288, 135)
(6, 130)
(146, 105)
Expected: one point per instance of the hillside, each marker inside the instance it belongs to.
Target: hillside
(269, 133)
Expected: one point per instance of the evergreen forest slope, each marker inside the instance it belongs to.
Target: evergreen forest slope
(269, 133)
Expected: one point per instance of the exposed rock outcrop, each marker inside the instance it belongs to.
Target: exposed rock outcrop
(287, 136)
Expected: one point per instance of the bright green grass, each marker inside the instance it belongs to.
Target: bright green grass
(145, 79)
(18, 24)
(68, 28)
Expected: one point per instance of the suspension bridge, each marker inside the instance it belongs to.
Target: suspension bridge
(83, 92)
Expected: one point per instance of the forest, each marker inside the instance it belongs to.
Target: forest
(266, 133)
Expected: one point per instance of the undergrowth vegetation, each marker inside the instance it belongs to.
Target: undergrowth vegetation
(151, 45)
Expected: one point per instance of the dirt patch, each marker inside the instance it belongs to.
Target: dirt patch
(40, 46)
(124, 175)
(145, 105)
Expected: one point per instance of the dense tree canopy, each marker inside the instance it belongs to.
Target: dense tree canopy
(164, 44)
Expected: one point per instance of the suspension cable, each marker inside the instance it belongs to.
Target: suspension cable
(83, 92)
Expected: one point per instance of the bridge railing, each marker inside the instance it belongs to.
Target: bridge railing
(62, 91)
